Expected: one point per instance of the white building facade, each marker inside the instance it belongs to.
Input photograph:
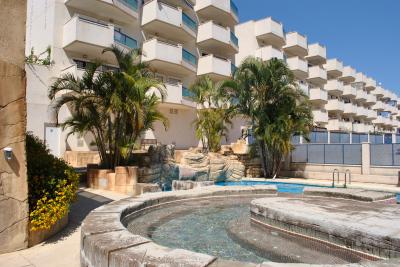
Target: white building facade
(342, 98)
(181, 40)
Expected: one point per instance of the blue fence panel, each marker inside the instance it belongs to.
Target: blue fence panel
(296, 139)
(352, 154)
(316, 153)
(376, 139)
(359, 138)
(333, 154)
(340, 138)
(396, 154)
(388, 139)
(299, 154)
(382, 155)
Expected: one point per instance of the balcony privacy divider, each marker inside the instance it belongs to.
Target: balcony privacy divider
(188, 21)
(234, 39)
(124, 39)
(189, 57)
(132, 4)
(234, 9)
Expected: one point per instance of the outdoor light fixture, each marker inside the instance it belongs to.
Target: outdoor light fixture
(8, 153)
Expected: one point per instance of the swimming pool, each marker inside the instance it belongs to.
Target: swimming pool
(282, 187)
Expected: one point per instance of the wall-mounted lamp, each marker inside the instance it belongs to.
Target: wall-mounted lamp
(8, 153)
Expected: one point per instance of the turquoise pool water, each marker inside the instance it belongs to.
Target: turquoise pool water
(281, 186)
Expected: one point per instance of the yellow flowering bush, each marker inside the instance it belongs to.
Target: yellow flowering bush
(52, 185)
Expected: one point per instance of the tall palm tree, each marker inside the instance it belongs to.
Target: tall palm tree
(116, 106)
(213, 115)
(267, 94)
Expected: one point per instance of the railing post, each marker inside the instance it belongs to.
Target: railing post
(365, 158)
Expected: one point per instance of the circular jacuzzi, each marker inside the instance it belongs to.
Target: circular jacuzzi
(211, 226)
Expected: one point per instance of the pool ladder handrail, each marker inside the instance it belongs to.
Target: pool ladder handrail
(333, 177)
(348, 172)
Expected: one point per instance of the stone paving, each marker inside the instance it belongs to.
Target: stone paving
(61, 250)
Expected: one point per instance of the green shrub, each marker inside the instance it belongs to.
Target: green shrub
(52, 185)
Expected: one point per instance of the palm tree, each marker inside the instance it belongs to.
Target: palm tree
(115, 106)
(267, 94)
(213, 115)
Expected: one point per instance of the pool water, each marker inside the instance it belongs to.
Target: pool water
(221, 227)
(280, 186)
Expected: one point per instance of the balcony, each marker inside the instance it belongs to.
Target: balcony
(169, 58)
(395, 110)
(372, 114)
(318, 96)
(223, 12)
(334, 68)
(361, 78)
(217, 40)
(217, 68)
(379, 106)
(361, 96)
(270, 32)
(334, 87)
(334, 105)
(267, 53)
(371, 99)
(316, 54)
(298, 66)
(296, 45)
(317, 75)
(349, 91)
(362, 112)
(88, 37)
(379, 120)
(160, 19)
(339, 125)
(359, 128)
(386, 95)
(121, 11)
(177, 96)
(320, 116)
(370, 85)
(349, 75)
(350, 109)
(303, 87)
(379, 91)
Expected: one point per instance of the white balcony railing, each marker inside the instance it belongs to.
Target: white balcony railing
(296, 44)
(334, 87)
(320, 116)
(318, 95)
(371, 84)
(349, 74)
(335, 105)
(266, 53)
(270, 32)
(168, 21)
(361, 95)
(316, 54)
(215, 67)
(217, 39)
(317, 75)
(223, 11)
(350, 109)
(334, 68)
(349, 91)
(299, 67)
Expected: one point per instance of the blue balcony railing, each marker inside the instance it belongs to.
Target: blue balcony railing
(233, 68)
(234, 9)
(186, 93)
(125, 39)
(189, 57)
(234, 39)
(132, 4)
(188, 21)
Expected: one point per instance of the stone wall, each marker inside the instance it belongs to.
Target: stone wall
(13, 176)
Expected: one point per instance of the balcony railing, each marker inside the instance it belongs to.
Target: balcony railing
(233, 68)
(186, 93)
(125, 39)
(132, 4)
(234, 9)
(189, 57)
(234, 39)
(188, 21)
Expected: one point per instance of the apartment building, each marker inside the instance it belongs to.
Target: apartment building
(180, 39)
(342, 98)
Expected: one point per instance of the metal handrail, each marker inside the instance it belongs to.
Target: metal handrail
(345, 177)
(333, 176)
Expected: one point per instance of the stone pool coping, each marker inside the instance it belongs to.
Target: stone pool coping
(105, 241)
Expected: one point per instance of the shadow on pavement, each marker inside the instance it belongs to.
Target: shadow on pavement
(86, 202)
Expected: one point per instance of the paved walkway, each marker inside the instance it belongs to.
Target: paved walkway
(62, 250)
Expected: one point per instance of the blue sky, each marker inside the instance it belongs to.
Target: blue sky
(362, 33)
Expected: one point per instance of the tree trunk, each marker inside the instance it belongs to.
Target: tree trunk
(263, 158)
